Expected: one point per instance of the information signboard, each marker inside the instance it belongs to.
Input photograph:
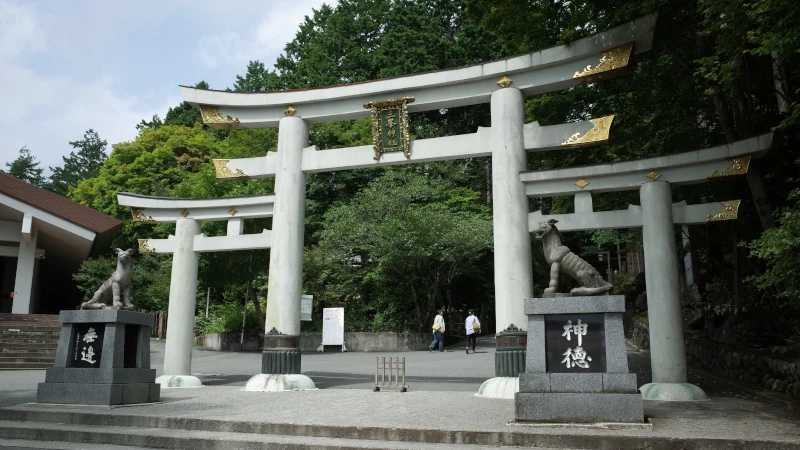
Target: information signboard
(332, 328)
(306, 305)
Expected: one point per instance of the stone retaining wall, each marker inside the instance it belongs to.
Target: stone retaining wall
(762, 369)
(230, 342)
(371, 342)
(355, 342)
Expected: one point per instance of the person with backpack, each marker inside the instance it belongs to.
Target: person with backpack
(473, 327)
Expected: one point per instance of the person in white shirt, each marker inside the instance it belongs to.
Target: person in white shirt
(438, 332)
(473, 327)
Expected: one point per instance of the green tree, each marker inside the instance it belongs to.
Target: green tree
(153, 124)
(185, 114)
(361, 40)
(403, 246)
(150, 282)
(174, 161)
(91, 152)
(26, 168)
(257, 79)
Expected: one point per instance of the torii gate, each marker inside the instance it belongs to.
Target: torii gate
(185, 246)
(657, 216)
(584, 61)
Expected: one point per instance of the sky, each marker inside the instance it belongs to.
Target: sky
(67, 66)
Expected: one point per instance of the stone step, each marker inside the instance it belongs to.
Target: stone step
(25, 366)
(25, 444)
(12, 330)
(22, 340)
(160, 431)
(28, 319)
(29, 329)
(29, 356)
(201, 439)
(25, 352)
(48, 334)
(25, 359)
(29, 346)
(24, 329)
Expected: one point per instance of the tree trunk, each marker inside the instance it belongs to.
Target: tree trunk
(489, 181)
(724, 115)
(744, 106)
(781, 85)
(759, 192)
(252, 294)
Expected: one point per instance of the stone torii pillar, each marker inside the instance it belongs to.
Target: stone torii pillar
(281, 360)
(180, 314)
(512, 243)
(657, 216)
(186, 246)
(664, 316)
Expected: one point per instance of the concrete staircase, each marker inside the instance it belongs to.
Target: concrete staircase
(90, 430)
(76, 428)
(28, 341)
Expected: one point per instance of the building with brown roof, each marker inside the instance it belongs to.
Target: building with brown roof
(44, 238)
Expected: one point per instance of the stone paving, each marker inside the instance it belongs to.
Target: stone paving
(440, 398)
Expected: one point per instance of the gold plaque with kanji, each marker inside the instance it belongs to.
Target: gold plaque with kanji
(390, 126)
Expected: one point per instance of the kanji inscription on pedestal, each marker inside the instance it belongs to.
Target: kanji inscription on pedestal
(575, 343)
(87, 345)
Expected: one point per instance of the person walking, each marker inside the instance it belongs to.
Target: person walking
(473, 327)
(438, 332)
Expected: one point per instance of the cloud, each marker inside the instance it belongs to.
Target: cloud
(224, 48)
(66, 67)
(264, 42)
(20, 31)
(46, 111)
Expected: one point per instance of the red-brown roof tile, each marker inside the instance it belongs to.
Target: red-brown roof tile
(59, 206)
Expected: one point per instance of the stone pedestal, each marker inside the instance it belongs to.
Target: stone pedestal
(509, 359)
(281, 355)
(103, 358)
(576, 365)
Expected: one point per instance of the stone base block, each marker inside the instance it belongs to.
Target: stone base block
(616, 383)
(509, 363)
(673, 392)
(264, 382)
(499, 387)
(179, 381)
(99, 376)
(578, 407)
(285, 362)
(98, 394)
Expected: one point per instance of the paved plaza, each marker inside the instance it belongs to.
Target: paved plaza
(439, 410)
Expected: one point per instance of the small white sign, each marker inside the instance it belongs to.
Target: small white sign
(306, 305)
(333, 326)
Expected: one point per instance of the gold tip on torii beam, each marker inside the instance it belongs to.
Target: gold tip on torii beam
(221, 166)
(611, 63)
(738, 166)
(145, 248)
(730, 211)
(597, 135)
(213, 118)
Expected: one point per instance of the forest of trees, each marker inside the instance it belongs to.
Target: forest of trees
(392, 244)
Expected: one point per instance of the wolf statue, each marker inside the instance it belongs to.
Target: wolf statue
(561, 258)
(115, 293)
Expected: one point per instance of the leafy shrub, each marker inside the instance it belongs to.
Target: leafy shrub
(624, 284)
(227, 317)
